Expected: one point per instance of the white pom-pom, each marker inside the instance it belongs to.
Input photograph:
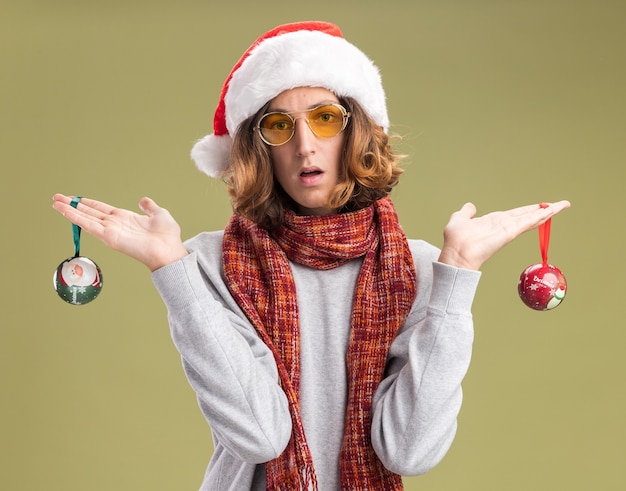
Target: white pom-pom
(212, 153)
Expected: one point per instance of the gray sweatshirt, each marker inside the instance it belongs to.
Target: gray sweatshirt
(236, 380)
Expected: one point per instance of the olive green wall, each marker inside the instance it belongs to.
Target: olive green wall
(500, 102)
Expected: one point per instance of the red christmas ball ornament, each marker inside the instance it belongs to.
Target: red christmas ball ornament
(542, 286)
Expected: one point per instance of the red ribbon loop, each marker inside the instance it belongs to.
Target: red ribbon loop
(544, 237)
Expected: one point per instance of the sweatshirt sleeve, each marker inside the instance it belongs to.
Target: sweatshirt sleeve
(232, 372)
(416, 406)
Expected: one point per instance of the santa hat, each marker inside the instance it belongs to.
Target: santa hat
(303, 54)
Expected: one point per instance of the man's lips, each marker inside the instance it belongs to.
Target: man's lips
(310, 176)
(310, 172)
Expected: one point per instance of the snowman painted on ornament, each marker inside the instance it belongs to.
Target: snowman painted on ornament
(557, 298)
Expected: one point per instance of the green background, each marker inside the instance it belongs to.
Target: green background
(502, 103)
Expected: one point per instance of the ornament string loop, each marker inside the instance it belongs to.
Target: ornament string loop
(75, 228)
(544, 237)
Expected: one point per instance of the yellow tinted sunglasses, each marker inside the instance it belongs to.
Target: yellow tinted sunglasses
(277, 128)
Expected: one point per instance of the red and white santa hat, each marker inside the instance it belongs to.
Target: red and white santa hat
(302, 54)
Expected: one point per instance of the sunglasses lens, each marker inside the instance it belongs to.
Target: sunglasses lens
(276, 128)
(326, 121)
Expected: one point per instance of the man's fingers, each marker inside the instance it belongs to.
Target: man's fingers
(468, 210)
(148, 206)
(86, 206)
(95, 208)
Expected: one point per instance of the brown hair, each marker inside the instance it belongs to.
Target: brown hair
(370, 170)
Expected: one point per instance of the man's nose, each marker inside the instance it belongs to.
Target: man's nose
(304, 137)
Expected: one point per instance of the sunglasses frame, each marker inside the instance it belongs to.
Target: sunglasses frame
(344, 113)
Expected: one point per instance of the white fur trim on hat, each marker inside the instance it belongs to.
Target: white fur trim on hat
(212, 153)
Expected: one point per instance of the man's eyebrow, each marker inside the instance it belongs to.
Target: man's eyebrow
(312, 106)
